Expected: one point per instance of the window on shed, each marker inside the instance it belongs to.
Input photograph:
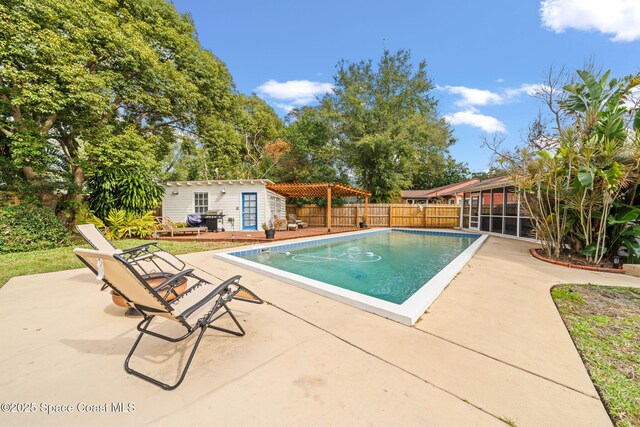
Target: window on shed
(201, 202)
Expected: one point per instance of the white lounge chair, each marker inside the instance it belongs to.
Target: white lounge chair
(167, 226)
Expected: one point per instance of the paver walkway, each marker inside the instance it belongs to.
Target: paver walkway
(491, 346)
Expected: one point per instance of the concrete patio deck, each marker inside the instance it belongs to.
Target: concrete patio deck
(491, 347)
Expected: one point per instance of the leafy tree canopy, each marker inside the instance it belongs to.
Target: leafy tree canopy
(105, 83)
(386, 123)
(314, 155)
(439, 171)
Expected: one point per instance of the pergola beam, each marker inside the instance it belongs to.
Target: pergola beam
(317, 190)
(321, 190)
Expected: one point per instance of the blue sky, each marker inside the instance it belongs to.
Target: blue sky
(484, 56)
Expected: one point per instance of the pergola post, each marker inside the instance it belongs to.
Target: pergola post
(329, 208)
(366, 207)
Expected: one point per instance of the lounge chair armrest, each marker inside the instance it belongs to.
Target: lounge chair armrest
(172, 282)
(216, 291)
(150, 250)
(177, 276)
(141, 247)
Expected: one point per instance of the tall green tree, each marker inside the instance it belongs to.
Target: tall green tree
(387, 122)
(438, 171)
(314, 154)
(260, 129)
(106, 86)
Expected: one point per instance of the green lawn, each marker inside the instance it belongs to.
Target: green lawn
(47, 261)
(604, 323)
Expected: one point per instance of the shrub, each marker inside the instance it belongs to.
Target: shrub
(120, 223)
(579, 181)
(132, 191)
(26, 228)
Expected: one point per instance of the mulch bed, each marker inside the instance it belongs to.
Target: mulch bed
(576, 261)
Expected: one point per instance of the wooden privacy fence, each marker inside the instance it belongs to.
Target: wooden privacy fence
(380, 215)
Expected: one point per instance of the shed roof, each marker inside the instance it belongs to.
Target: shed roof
(217, 182)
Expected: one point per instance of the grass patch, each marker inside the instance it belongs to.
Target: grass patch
(604, 323)
(50, 260)
(559, 292)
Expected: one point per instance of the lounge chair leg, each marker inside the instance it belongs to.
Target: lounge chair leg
(229, 331)
(203, 328)
(160, 384)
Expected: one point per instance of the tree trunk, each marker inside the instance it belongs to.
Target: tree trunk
(48, 199)
(75, 197)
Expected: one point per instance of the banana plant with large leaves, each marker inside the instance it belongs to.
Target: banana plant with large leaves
(599, 104)
(607, 161)
(624, 229)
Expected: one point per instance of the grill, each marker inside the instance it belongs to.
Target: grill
(211, 219)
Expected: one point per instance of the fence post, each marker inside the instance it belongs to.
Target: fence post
(425, 216)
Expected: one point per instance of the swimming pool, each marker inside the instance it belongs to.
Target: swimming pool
(396, 273)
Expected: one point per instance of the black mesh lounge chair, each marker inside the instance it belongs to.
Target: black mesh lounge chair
(196, 309)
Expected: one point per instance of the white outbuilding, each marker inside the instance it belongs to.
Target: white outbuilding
(245, 203)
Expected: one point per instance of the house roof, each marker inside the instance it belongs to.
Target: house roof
(444, 190)
(318, 189)
(487, 184)
(414, 194)
(458, 187)
(216, 182)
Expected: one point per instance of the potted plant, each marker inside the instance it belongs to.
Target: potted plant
(269, 231)
(363, 221)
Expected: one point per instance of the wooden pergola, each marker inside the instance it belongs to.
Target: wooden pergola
(320, 190)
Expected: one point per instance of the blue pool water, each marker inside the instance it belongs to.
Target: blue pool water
(390, 265)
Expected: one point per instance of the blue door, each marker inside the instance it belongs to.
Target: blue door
(249, 211)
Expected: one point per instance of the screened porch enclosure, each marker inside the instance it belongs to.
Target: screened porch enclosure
(496, 210)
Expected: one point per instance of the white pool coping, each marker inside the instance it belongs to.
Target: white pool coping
(406, 313)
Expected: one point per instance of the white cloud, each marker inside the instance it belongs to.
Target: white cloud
(525, 88)
(500, 80)
(632, 100)
(471, 96)
(471, 118)
(620, 18)
(285, 107)
(293, 92)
